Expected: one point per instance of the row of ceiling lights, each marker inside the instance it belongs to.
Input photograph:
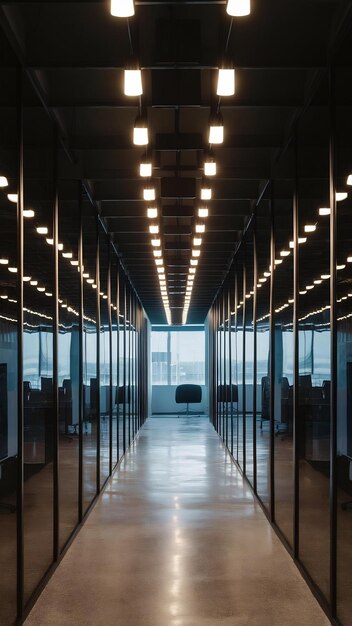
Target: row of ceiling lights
(133, 87)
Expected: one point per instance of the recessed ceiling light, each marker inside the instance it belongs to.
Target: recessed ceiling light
(156, 243)
(210, 168)
(42, 230)
(324, 211)
(341, 195)
(13, 270)
(310, 228)
(200, 228)
(4, 261)
(195, 253)
(203, 212)
(13, 197)
(154, 229)
(157, 253)
(205, 193)
(285, 253)
(28, 213)
(3, 181)
(197, 241)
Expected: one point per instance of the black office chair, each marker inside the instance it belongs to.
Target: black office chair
(227, 393)
(188, 394)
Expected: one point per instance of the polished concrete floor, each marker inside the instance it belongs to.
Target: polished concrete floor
(176, 539)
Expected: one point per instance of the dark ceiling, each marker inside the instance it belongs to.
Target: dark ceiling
(76, 51)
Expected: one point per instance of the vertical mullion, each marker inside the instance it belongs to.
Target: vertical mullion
(110, 358)
(333, 348)
(230, 367)
(255, 372)
(56, 547)
(117, 304)
(20, 402)
(272, 357)
(296, 423)
(98, 350)
(80, 373)
(244, 404)
(124, 362)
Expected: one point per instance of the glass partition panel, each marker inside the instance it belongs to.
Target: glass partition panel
(90, 408)
(284, 343)
(239, 355)
(263, 226)
(344, 333)
(68, 353)
(104, 261)
(121, 391)
(249, 355)
(8, 335)
(38, 342)
(314, 340)
(114, 363)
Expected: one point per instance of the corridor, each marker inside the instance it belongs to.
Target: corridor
(176, 539)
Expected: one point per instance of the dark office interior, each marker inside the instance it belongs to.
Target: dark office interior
(176, 313)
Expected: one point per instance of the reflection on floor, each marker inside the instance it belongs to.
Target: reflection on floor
(176, 539)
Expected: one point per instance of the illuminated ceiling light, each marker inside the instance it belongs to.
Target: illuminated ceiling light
(122, 8)
(159, 262)
(324, 211)
(300, 240)
(325, 276)
(302, 293)
(149, 193)
(157, 253)
(263, 280)
(310, 228)
(349, 180)
(197, 241)
(49, 241)
(94, 286)
(41, 289)
(67, 255)
(285, 253)
(28, 213)
(203, 212)
(140, 132)
(238, 8)
(318, 282)
(309, 287)
(152, 213)
(26, 279)
(4, 261)
(194, 262)
(42, 230)
(13, 270)
(85, 275)
(340, 267)
(267, 274)
(278, 261)
(3, 181)
(156, 243)
(341, 195)
(47, 293)
(205, 193)
(133, 82)
(216, 131)
(154, 229)
(4, 296)
(200, 228)
(145, 170)
(105, 297)
(60, 246)
(210, 167)
(160, 270)
(195, 253)
(13, 197)
(90, 281)
(192, 270)
(75, 263)
(226, 82)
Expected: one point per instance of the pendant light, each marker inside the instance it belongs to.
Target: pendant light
(145, 169)
(133, 82)
(238, 8)
(216, 131)
(140, 132)
(226, 82)
(209, 166)
(122, 8)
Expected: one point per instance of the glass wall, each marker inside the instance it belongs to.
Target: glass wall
(8, 336)
(290, 343)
